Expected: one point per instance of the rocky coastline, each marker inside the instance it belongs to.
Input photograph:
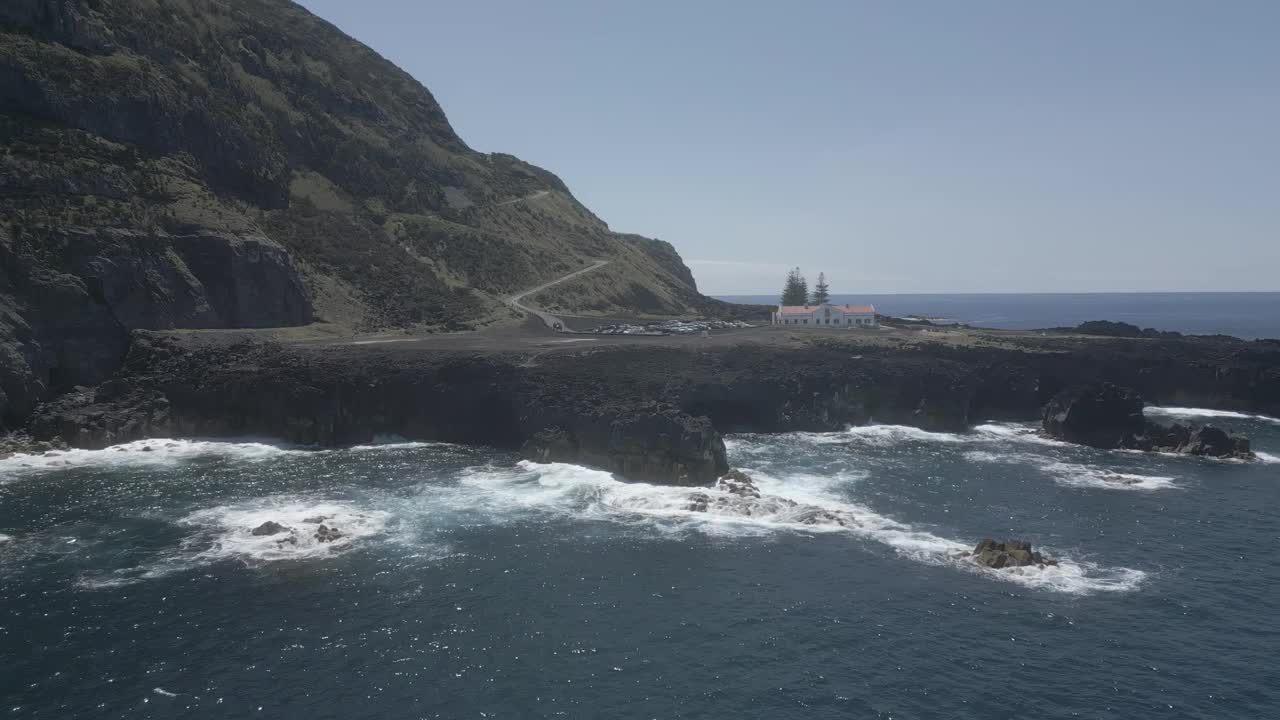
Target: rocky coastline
(1107, 416)
(649, 413)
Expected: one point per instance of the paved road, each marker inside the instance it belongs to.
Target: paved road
(513, 201)
(551, 321)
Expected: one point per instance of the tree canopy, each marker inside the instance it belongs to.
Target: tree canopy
(821, 293)
(796, 289)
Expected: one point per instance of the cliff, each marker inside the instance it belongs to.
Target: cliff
(208, 164)
(645, 411)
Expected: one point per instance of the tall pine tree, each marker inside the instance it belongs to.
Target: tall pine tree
(796, 290)
(821, 293)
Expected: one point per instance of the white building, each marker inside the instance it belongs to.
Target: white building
(825, 315)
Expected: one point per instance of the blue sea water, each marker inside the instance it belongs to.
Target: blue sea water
(1244, 315)
(469, 584)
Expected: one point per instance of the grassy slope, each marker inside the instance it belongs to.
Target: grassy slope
(257, 117)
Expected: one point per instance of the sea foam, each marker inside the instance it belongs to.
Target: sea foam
(1185, 412)
(796, 502)
(142, 453)
(1088, 476)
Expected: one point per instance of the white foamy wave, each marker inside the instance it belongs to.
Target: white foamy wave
(1073, 475)
(1266, 457)
(396, 442)
(1003, 458)
(234, 539)
(1069, 576)
(226, 533)
(1020, 432)
(794, 503)
(894, 434)
(155, 452)
(1180, 412)
(4, 538)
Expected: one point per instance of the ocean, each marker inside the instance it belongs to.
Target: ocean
(1245, 315)
(470, 584)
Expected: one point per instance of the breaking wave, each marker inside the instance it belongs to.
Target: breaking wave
(226, 533)
(1185, 412)
(1073, 475)
(795, 503)
(156, 452)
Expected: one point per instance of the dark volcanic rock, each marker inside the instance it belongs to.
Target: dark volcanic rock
(1010, 553)
(1107, 416)
(270, 527)
(1204, 440)
(737, 482)
(325, 534)
(661, 446)
(1209, 440)
(651, 413)
(1100, 415)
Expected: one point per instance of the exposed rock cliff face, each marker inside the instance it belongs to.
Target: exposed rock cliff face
(1100, 415)
(647, 413)
(211, 164)
(1104, 415)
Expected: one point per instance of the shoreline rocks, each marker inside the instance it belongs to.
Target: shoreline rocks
(1010, 553)
(270, 527)
(1110, 417)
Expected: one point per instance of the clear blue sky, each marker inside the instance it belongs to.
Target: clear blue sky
(900, 146)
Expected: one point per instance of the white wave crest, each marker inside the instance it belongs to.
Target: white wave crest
(226, 533)
(1003, 458)
(234, 538)
(1020, 432)
(157, 452)
(1267, 458)
(794, 503)
(1073, 475)
(1181, 412)
(893, 434)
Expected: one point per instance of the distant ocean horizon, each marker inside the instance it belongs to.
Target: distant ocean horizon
(1249, 315)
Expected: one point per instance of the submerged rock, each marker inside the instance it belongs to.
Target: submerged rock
(1010, 553)
(270, 527)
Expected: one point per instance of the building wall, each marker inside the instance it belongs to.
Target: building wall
(819, 318)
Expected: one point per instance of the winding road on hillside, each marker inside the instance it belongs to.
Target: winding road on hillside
(551, 321)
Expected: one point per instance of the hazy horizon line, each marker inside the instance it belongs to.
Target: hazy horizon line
(1018, 292)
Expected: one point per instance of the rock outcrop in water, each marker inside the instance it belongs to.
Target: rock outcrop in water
(269, 527)
(1101, 415)
(1107, 416)
(661, 445)
(1010, 553)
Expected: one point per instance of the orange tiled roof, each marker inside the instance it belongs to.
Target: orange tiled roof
(808, 309)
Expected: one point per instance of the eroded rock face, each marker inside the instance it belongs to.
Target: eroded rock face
(1107, 416)
(1010, 553)
(1100, 415)
(1205, 440)
(658, 445)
